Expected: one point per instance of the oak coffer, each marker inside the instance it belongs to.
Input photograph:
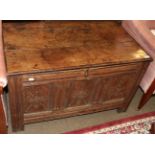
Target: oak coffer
(59, 69)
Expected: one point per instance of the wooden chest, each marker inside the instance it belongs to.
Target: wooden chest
(59, 69)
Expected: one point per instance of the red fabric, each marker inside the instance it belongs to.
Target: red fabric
(112, 123)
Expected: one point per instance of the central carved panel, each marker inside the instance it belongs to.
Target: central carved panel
(67, 93)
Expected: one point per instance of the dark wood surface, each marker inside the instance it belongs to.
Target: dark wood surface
(3, 127)
(55, 45)
(59, 69)
(152, 131)
(146, 96)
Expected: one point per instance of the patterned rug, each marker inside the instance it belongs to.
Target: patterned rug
(139, 124)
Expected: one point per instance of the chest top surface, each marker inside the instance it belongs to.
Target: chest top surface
(37, 46)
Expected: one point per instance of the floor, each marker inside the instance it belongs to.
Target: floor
(78, 122)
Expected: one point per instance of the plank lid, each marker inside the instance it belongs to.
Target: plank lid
(57, 45)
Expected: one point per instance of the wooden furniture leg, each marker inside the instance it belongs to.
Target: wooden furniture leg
(147, 95)
(3, 128)
(152, 131)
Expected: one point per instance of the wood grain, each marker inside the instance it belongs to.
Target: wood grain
(55, 45)
(60, 69)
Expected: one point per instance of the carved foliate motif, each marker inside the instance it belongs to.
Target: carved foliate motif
(62, 94)
(36, 98)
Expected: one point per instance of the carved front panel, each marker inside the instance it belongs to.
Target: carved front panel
(36, 98)
(60, 94)
(69, 93)
(111, 88)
